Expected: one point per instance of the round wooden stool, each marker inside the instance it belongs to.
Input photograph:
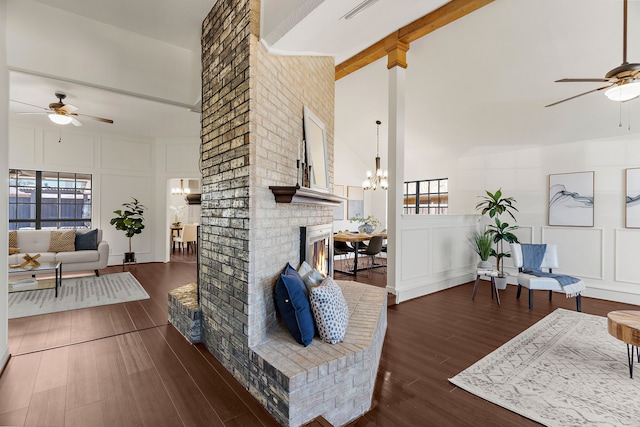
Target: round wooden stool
(625, 326)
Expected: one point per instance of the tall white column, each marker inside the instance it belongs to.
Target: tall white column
(396, 174)
(4, 191)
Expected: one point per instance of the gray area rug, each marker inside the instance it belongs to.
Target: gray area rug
(75, 293)
(566, 370)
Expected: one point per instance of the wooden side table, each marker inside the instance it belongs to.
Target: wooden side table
(625, 326)
(492, 274)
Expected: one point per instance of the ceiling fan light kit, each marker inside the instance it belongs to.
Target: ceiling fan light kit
(59, 119)
(623, 92)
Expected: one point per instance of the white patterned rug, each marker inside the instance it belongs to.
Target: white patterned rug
(566, 370)
(75, 293)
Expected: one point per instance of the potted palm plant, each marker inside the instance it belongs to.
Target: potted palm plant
(130, 220)
(495, 205)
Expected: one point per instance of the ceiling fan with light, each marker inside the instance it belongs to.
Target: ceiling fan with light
(624, 80)
(63, 114)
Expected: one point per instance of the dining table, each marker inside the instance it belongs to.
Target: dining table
(355, 238)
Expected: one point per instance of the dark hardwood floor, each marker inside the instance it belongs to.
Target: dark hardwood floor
(124, 365)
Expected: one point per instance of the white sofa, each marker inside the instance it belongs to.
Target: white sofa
(37, 242)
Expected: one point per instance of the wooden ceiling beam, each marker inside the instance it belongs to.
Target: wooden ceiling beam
(401, 39)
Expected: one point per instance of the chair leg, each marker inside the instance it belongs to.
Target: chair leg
(579, 303)
(519, 291)
(550, 295)
(97, 273)
(530, 299)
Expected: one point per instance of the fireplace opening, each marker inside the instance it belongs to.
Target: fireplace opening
(316, 247)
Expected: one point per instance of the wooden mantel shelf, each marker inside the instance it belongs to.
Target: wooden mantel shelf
(296, 194)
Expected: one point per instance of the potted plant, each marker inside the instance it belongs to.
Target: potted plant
(369, 223)
(495, 205)
(482, 244)
(129, 220)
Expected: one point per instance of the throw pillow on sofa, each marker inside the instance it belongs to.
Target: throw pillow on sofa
(87, 241)
(13, 239)
(330, 311)
(293, 305)
(62, 241)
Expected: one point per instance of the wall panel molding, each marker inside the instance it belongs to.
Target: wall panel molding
(580, 250)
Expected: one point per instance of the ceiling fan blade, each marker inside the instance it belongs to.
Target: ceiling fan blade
(30, 105)
(75, 121)
(582, 80)
(100, 119)
(579, 95)
(68, 108)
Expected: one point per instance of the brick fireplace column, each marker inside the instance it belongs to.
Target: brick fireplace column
(252, 127)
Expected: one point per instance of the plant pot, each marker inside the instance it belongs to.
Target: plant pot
(485, 265)
(129, 257)
(501, 283)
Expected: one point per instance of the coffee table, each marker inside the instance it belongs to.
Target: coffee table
(44, 267)
(625, 326)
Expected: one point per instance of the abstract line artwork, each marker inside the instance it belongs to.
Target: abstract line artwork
(632, 199)
(571, 199)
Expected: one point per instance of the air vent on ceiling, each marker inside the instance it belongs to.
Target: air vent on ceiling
(359, 8)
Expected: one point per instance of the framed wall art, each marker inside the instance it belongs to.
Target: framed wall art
(632, 198)
(571, 199)
(355, 201)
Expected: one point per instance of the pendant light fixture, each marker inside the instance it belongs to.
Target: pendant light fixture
(180, 191)
(380, 179)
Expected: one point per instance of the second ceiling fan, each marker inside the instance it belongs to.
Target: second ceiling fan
(62, 114)
(623, 81)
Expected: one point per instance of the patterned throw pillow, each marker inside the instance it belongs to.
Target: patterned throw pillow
(293, 306)
(62, 241)
(310, 276)
(330, 311)
(13, 239)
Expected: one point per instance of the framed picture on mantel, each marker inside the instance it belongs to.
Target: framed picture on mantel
(316, 150)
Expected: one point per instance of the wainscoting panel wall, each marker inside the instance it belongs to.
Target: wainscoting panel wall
(25, 139)
(580, 250)
(413, 253)
(69, 151)
(123, 154)
(627, 267)
(450, 248)
(180, 158)
(127, 186)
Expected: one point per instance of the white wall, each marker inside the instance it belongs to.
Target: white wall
(4, 189)
(604, 256)
(121, 168)
(91, 49)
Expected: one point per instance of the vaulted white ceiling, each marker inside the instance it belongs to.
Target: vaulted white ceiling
(480, 81)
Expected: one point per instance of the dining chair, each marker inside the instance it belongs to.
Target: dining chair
(342, 249)
(189, 236)
(373, 248)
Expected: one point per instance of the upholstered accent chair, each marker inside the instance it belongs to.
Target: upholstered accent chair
(551, 284)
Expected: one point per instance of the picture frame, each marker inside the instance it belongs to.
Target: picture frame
(632, 198)
(355, 201)
(315, 137)
(571, 199)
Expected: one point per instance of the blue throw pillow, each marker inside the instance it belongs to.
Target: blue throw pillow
(293, 306)
(293, 274)
(87, 241)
